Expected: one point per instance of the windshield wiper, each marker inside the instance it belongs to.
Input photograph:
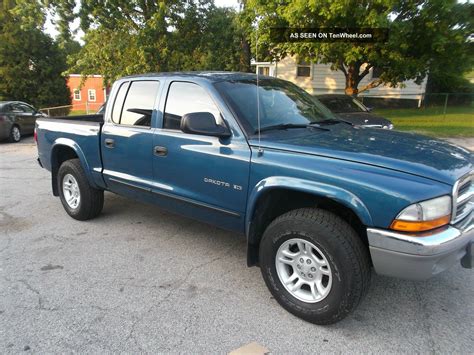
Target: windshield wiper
(331, 121)
(281, 127)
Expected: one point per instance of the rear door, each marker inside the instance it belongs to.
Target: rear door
(127, 137)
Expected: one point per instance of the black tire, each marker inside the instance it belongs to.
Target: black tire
(91, 199)
(347, 256)
(14, 138)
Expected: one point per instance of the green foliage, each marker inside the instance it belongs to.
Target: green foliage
(130, 37)
(30, 62)
(424, 36)
(456, 122)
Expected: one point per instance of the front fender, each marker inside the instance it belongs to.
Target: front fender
(334, 193)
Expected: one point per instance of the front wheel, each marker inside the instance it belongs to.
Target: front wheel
(315, 265)
(80, 200)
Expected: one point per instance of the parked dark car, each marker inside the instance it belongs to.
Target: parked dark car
(17, 119)
(353, 111)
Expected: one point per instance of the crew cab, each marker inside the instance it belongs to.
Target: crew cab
(321, 201)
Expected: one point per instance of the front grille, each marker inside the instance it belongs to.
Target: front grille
(463, 198)
(464, 188)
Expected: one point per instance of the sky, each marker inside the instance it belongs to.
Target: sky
(51, 30)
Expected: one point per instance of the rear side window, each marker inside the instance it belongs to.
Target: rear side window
(118, 103)
(138, 105)
(185, 98)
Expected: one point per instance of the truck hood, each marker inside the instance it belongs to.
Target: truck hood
(407, 152)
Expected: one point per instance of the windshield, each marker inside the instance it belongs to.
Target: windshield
(342, 104)
(281, 103)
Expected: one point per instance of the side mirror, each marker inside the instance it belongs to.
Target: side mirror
(203, 123)
(369, 109)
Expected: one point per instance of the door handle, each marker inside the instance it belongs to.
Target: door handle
(109, 143)
(160, 151)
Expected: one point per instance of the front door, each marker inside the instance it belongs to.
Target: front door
(29, 116)
(127, 138)
(205, 177)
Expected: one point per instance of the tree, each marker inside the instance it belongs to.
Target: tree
(127, 37)
(420, 34)
(222, 41)
(244, 23)
(31, 64)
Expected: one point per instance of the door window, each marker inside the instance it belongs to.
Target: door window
(118, 103)
(138, 105)
(16, 108)
(26, 108)
(186, 98)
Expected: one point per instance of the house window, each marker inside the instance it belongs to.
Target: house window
(77, 95)
(376, 72)
(303, 68)
(91, 94)
(264, 71)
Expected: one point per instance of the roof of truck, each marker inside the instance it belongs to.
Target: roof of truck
(214, 76)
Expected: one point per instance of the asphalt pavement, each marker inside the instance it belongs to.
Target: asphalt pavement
(139, 279)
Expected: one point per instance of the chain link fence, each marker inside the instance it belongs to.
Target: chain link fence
(439, 104)
(72, 110)
(437, 115)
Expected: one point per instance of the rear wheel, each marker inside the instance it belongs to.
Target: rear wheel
(315, 265)
(15, 134)
(80, 200)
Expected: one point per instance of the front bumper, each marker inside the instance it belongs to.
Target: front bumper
(423, 256)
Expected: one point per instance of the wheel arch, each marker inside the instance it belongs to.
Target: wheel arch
(62, 150)
(275, 196)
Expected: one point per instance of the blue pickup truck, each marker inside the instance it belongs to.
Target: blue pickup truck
(321, 201)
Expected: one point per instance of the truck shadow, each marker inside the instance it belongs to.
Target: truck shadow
(395, 307)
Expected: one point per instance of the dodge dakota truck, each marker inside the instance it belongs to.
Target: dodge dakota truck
(321, 201)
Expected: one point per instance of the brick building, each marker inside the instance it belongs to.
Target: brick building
(89, 96)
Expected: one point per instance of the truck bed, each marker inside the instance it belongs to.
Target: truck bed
(80, 133)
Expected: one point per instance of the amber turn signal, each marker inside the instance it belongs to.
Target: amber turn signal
(419, 226)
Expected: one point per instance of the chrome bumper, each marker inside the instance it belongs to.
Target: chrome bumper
(422, 256)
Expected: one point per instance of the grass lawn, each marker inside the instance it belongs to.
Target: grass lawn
(79, 112)
(458, 121)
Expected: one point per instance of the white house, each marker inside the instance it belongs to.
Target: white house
(320, 79)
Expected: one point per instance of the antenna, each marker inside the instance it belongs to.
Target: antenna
(260, 150)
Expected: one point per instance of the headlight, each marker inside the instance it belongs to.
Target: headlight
(424, 215)
(390, 126)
